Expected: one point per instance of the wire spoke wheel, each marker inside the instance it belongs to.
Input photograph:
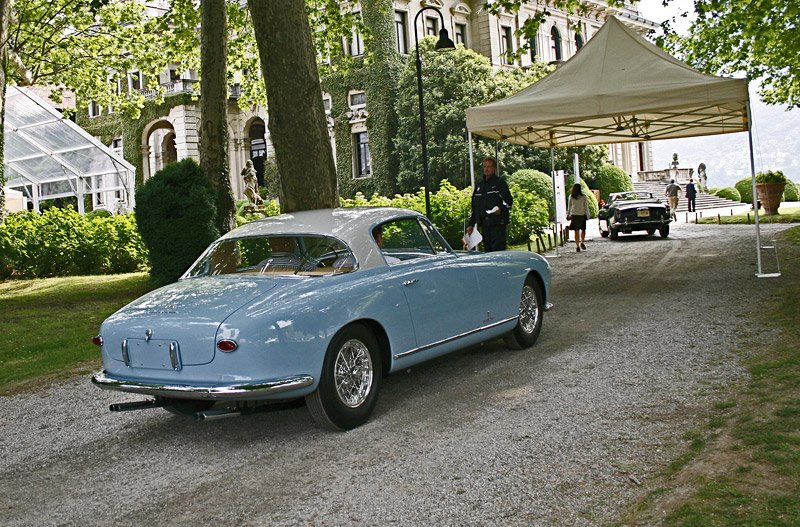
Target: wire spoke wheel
(352, 373)
(528, 310)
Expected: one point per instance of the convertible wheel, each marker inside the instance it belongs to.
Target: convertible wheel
(650, 232)
(663, 231)
(351, 377)
(186, 406)
(529, 324)
(614, 233)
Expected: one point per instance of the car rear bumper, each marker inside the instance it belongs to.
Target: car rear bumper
(216, 393)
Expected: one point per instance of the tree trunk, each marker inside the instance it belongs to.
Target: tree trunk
(213, 106)
(5, 15)
(297, 124)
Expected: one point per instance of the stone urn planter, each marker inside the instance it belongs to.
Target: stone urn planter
(769, 194)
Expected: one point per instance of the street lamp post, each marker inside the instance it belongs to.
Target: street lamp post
(444, 43)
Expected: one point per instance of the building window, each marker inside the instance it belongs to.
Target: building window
(326, 103)
(508, 43)
(461, 34)
(135, 81)
(532, 44)
(116, 145)
(363, 160)
(94, 109)
(401, 31)
(431, 26)
(578, 41)
(555, 36)
(358, 99)
(355, 44)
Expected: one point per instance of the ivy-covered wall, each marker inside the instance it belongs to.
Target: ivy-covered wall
(377, 76)
(109, 126)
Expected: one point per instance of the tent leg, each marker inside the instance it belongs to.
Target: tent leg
(553, 179)
(471, 160)
(759, 273)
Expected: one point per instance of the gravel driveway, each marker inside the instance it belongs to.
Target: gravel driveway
(642, 340)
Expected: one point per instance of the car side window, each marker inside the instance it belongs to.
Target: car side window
(435, 239)
(403, 239)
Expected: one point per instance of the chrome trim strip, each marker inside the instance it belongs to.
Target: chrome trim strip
(449, 339)
(221, 392)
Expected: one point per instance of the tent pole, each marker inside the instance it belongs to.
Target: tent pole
(471, 160)
(759, 274)
(555, 205)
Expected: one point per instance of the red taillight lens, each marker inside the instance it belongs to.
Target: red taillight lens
(97, 340)
(227, 345)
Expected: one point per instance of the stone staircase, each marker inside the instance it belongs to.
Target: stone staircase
(703, 201)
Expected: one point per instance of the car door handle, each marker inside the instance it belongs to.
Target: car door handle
(409, 282)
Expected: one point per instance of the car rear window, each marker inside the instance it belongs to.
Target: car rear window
(306, 255)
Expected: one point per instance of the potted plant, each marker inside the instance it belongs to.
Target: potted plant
(769, 187)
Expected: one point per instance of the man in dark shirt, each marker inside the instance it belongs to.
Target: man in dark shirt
(491, 203)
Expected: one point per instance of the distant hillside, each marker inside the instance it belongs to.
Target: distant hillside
(776, 142)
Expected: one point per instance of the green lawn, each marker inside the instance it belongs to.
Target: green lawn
(785, 215)
(49, 323)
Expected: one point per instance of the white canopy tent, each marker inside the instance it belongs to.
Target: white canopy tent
(619, 88)
(47, 157)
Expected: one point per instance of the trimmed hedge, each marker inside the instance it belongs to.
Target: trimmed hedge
(790, 193)
(610, 178)
(451, 208)
(61, 242)
(175, 211)
(745, 189)
(729, 193)
(536, 182)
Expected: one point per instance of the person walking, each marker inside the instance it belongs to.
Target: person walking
(491, 206)
(578, 213)
(673, 192)
(691, 194)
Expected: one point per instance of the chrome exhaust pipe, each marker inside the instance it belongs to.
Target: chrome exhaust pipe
(136, 405)
(211, 415)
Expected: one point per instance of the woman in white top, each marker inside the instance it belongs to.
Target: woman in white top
(578, 213)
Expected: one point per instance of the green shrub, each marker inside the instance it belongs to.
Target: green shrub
(729, 193)
(451, 209)
(176, 213)
(745, 189)
(536, 182)
(790, 193)
(771, 176)
(61, 242)
(98, 213)
(609, 178)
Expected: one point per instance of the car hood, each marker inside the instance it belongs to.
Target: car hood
(187, 312)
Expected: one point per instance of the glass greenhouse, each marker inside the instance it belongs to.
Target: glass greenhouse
(48, 157)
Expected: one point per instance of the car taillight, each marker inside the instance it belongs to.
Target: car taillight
(97, 340)
(227, 345)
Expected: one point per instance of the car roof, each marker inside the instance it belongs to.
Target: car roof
(352, 225)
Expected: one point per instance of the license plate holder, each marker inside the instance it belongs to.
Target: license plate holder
(153, 354)
(642, 213)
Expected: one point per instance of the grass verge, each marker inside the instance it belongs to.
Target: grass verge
(49, 324)
(786, 215)
(746, 469)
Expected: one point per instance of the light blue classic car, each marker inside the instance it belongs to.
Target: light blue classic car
(317, 305)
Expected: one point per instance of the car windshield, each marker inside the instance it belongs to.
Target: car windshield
(306, 255)
(633, 196)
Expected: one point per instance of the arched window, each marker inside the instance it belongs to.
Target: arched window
(555, 36)
(578, 41)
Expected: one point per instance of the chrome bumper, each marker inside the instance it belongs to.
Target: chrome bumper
(217, 393)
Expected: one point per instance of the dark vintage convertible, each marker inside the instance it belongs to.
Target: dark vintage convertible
(626, 212)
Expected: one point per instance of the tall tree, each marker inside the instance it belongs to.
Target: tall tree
(759, 38)
(297, 124)
(213, 108)
(5, 14)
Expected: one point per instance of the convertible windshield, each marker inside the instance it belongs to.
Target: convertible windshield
(306, 255)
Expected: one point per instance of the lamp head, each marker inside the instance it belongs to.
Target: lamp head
(444, 43)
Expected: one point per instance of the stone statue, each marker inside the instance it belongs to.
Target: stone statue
(251, 184)
(702, 180)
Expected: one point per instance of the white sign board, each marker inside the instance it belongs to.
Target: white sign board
(560, 196)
